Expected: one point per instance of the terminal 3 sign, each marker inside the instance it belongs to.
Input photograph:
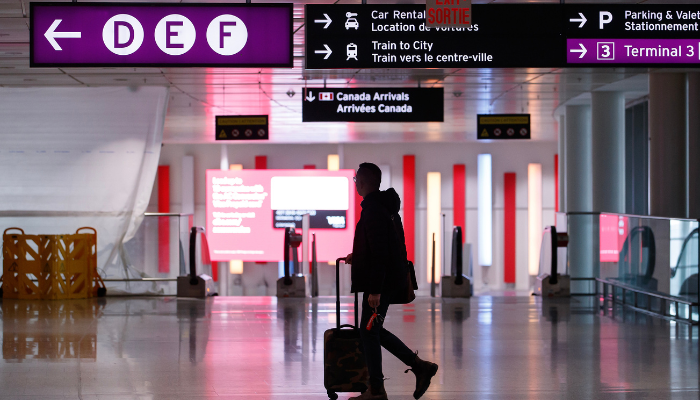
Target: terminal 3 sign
(503, 36)
(121, 35)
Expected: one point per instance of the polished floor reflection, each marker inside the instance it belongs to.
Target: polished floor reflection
(261, 348)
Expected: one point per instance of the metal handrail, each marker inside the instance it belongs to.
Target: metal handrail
(629, 215)
(648, 310)
(647, 293)
(152, 214)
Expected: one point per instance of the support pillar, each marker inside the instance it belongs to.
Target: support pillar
(582, 247)
(562, 163)
(694, 145)
(667, 145)
(608, 151)
(578, 159)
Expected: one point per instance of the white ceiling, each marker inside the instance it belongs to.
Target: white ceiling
(198, 94)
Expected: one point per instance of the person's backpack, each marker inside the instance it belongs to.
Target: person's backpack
(406, 273)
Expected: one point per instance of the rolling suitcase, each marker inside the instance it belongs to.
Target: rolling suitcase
(345, 369)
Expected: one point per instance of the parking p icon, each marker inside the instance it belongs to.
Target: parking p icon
(227, 34)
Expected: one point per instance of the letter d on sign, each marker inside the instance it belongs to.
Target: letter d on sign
(117, 38)
(114, 34)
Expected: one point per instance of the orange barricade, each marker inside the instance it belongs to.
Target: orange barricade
(50, 266)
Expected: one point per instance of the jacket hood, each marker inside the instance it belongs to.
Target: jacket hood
(390, 200)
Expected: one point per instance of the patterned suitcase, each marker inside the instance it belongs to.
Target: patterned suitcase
(345, 369)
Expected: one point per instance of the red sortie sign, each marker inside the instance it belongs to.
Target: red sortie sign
(448, 13)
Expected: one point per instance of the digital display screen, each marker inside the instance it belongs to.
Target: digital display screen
(613, 232)
(248, 211)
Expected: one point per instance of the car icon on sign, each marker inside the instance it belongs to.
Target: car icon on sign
(352, 51)
(351, 23)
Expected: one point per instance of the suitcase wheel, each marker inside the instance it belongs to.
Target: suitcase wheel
(332, 395)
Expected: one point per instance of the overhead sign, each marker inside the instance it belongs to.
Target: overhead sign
(448, 13)
(242, 127)
(160, 35)
(396, 36)
(630, 35)
(503, 126)
(373, 105)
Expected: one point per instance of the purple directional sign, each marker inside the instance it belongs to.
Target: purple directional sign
(160, 35)
(632, 51)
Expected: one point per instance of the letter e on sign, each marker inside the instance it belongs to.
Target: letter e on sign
(175, 34)
(227, 35)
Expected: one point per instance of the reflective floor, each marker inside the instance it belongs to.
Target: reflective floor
(260, 348)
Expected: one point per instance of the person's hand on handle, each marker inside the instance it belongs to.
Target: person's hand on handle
(373, 300)
(348, 259)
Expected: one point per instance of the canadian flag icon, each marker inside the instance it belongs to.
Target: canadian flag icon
(325, 96)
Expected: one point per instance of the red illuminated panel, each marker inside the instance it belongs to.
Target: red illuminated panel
(459, 198)
(409, 204)
(247, 211)
(260, 162)
(509, 185)
(613, 232)
(163, 222)
(556, 183)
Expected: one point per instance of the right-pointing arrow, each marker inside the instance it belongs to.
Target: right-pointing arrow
(582, 20)
(327, 51)
(326, 21)
(583, 50)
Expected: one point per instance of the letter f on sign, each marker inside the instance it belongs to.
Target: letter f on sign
(223, 33)
(605, 18)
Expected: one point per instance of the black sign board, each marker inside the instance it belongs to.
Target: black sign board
(318, 219)
(619, 35)
(396, 36)
(504, 36)
(373, 105)
(503, 126)
(242, 127)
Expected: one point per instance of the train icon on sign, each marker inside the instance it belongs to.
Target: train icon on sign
(352, 51)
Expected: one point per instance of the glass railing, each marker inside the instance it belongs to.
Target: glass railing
(651, 254)
(154, 257)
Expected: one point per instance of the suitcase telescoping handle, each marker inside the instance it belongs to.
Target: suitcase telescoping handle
(337, 295)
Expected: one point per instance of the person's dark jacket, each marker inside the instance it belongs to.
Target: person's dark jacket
(375, 251)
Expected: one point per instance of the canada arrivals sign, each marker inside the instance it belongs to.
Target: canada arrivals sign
(373, 105)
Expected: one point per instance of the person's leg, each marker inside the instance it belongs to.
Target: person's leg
(396, 347)
(372, 345)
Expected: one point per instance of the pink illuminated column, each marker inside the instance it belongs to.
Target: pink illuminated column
(409, 204)
(164, 222)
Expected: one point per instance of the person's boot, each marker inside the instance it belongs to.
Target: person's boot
(424, 371)
(372, 393)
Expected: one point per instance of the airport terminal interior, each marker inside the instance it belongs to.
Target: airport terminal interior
(180, 189)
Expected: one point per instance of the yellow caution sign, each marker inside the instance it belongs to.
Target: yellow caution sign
(222, 134)
(484, 133)
(504, 120)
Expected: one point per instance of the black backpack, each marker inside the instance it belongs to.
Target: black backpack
(406, 273)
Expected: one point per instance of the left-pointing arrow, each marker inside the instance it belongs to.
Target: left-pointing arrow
(327, 51)
(51, 34)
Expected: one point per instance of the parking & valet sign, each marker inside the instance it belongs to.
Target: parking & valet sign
(143, 34)
(373, 105)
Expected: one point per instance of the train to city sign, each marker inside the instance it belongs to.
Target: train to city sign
(160, 35)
